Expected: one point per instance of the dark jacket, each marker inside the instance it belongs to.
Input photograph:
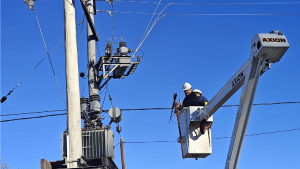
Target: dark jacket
(202, 100)
(190, 100)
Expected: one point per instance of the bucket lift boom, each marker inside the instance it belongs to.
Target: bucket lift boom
(265, 49)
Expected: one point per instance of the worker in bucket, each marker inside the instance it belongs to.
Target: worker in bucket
(191, 98)
(202, 100)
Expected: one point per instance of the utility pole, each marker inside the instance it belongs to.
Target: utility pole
(122, 153)
(92, 71)
(72, 80)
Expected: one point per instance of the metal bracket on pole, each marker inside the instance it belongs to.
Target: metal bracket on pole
(105, 76)
(92, 26)
(105, 83)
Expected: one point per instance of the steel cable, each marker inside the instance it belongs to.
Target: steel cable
(49, 57)
(260, 104)
(214, 3)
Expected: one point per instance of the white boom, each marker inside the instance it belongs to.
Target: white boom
(265, 49)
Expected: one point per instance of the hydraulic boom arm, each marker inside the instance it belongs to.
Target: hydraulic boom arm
(265, 49)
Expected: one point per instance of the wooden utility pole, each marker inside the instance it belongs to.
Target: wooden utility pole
(122, 153)
(72, 80)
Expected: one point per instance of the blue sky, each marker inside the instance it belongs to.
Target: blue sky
(205, 50)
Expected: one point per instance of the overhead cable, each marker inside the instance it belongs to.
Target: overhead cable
(135, 110)
(49, 57)
(219, 138)
(113, 26)
(126, 12)
(150, 21)
(5, 97)
(214, 3)
(200, 14)
(271, 132)
(81, 22)
(260, 104)
(104, 96)
(26, 118)
(16, 114)
(156, 20)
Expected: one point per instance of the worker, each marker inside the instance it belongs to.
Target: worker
(191, 98)
(202, 100)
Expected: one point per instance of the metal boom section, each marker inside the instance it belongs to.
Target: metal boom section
(265, 49)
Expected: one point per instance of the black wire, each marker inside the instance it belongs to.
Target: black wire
(49, 57)
(32, 112)
(146, 109)
(219, 138)
(81, 22)
(214, 3)
(5, 97)
(26, 118)
(123, 110)
(203, 14)
(150, 108)
(260, 104)
(104, 97)
(150, 142)
(116, 145)
(31, 71)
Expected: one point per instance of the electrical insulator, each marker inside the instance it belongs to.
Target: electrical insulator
(123, 50)
(84, 104)
(30, 3)
(95, 103)
(108, 49)
(119, 129)
(3, 99)
(138, 59)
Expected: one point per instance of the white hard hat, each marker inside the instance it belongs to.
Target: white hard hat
(197, 91)
(186, 86)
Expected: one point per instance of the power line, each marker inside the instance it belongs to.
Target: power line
(123, 110)
(49, 57)
(260, 104)
(219, 138)
(81, 22)
(150, 22)
(16, 114)
(149, 142)
(104, 96)
(214, 3)
(201, 14)
(26, 118)
(126, 12)
(156, 20)
(5, 97)
(271, 132)
(113, 26)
